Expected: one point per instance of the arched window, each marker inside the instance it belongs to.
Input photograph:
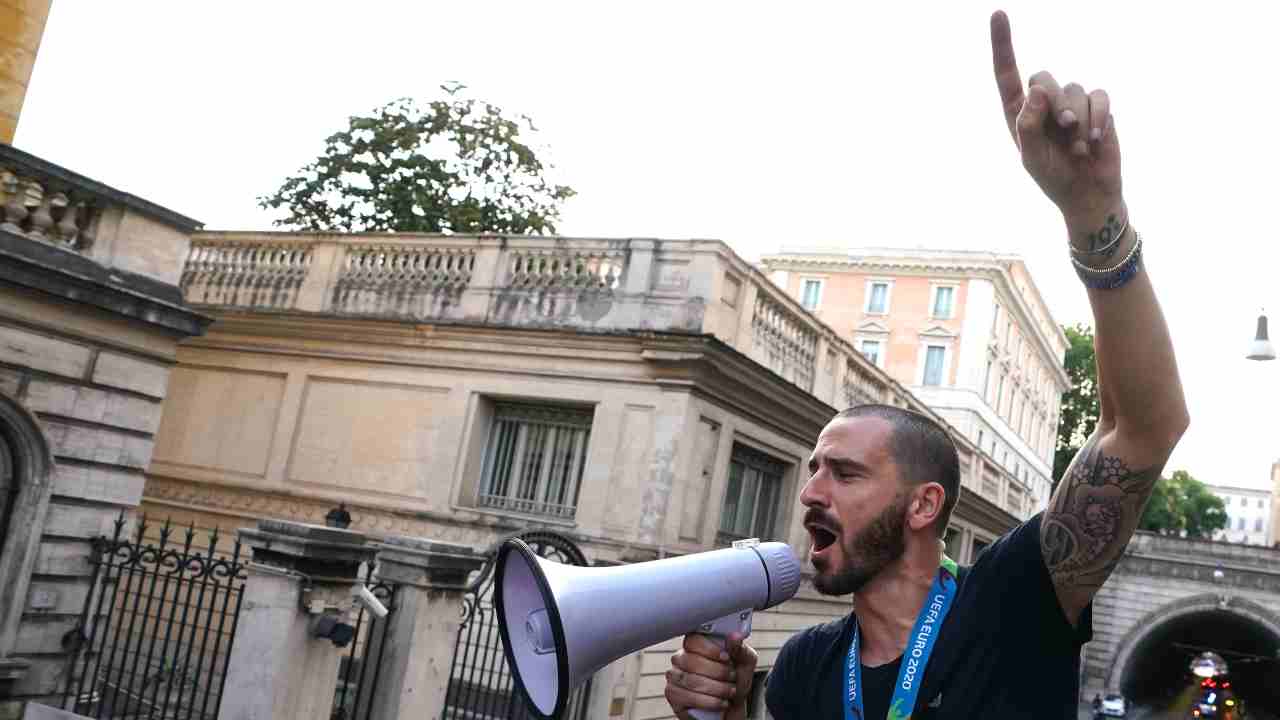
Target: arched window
(26, 469)
(8, 489)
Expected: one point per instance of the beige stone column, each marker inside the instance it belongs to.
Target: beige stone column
(417, 650)
(21, 28)
(301, 576)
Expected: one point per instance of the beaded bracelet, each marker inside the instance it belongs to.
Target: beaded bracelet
(1115, 276)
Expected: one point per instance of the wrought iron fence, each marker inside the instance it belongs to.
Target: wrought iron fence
(157, 627)
(361, 668)
(480, 685)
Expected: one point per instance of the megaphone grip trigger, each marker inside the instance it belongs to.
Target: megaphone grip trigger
(718, 631)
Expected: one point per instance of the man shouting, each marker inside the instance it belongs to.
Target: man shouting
(1000, 639)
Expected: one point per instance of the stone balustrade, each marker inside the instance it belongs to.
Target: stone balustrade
(47, 210)
(47, 203)
(583, 284)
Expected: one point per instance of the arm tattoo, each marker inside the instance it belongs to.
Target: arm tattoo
(1092, 516)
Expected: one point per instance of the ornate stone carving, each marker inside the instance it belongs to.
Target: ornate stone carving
(259, 275)
(46, 212)
(532, 269)
(402, 280)
(860, 386)
(783, 341)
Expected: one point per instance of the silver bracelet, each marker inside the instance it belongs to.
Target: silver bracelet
(1115, 276)
(1107, 249)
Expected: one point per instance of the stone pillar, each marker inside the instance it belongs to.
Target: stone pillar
(300, 575)
(20, 37)
(417, 650)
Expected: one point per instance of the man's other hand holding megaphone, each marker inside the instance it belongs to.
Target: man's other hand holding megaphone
(1000, 638)
(704, 675)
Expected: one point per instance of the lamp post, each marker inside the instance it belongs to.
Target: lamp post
(1261, 347)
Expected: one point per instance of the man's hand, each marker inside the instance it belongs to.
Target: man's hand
(1067, 137)
(704, 677)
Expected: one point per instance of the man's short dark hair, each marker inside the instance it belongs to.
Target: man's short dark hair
(922, 449)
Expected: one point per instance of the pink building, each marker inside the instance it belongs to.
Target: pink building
(967, 332)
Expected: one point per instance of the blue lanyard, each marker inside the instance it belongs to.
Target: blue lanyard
(924, 635)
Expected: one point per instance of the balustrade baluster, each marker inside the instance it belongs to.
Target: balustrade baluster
(15, 211)
(65, 230)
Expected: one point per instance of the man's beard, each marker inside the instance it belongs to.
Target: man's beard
(879, 544)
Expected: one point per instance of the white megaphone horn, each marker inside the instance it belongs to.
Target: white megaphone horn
(561, 623)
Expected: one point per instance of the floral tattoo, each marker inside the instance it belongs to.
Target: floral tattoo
(1091, 517)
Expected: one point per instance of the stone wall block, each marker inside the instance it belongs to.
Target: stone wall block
(43, 634)
(68, 559)
(10, 381)
(43, 677)
(92, 405)
(99, 484)
(19, 347)
(99, 445)
(74, 521)
(130, 374)
(53, 597)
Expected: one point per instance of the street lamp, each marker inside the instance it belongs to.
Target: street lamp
(1261, 347)
(1218, 577)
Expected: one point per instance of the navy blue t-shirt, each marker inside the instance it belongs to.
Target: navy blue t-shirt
(1005, 650)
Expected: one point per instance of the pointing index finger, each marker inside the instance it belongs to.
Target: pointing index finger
(1008, 79)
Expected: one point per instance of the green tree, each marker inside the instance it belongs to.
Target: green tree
(456, 165)
(1080, 402)
(1180, 504)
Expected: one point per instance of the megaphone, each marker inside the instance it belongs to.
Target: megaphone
(561, 623)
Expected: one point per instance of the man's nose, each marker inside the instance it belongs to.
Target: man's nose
(814, 493)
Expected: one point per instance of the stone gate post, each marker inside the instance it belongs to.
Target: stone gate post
(301, 583)
(417, 650)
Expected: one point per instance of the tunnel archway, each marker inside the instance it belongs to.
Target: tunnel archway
(1151, 664)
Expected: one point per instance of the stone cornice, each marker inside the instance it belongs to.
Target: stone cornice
(719, 373)
(62, 273)
(476, 530)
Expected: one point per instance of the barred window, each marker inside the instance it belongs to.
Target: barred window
(534, 459)
(752, 498)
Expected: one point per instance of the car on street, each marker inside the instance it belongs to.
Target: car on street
(1113, 705)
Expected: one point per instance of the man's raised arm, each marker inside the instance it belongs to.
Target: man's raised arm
(1068, 142)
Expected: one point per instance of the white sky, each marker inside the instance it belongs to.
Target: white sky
(762, 124)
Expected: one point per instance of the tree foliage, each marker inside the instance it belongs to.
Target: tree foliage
(1080, 402)
(456, 165)
(1181, 505)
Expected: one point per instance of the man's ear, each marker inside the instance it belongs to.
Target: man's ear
(926, 505)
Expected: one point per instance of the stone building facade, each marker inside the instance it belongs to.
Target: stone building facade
(645, 397)
(1273, 537)
(90, 319)
(1248, 514)
(967, 332)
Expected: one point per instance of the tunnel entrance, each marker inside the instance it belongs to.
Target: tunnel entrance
(1157, 670)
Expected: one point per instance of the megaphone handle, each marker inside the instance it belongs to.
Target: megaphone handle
(717, 631)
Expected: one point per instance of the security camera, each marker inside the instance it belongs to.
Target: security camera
(370, 602)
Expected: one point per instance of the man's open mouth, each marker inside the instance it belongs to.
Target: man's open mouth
(823, 537)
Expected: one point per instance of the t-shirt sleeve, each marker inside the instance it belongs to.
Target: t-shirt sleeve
(1014, 567)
